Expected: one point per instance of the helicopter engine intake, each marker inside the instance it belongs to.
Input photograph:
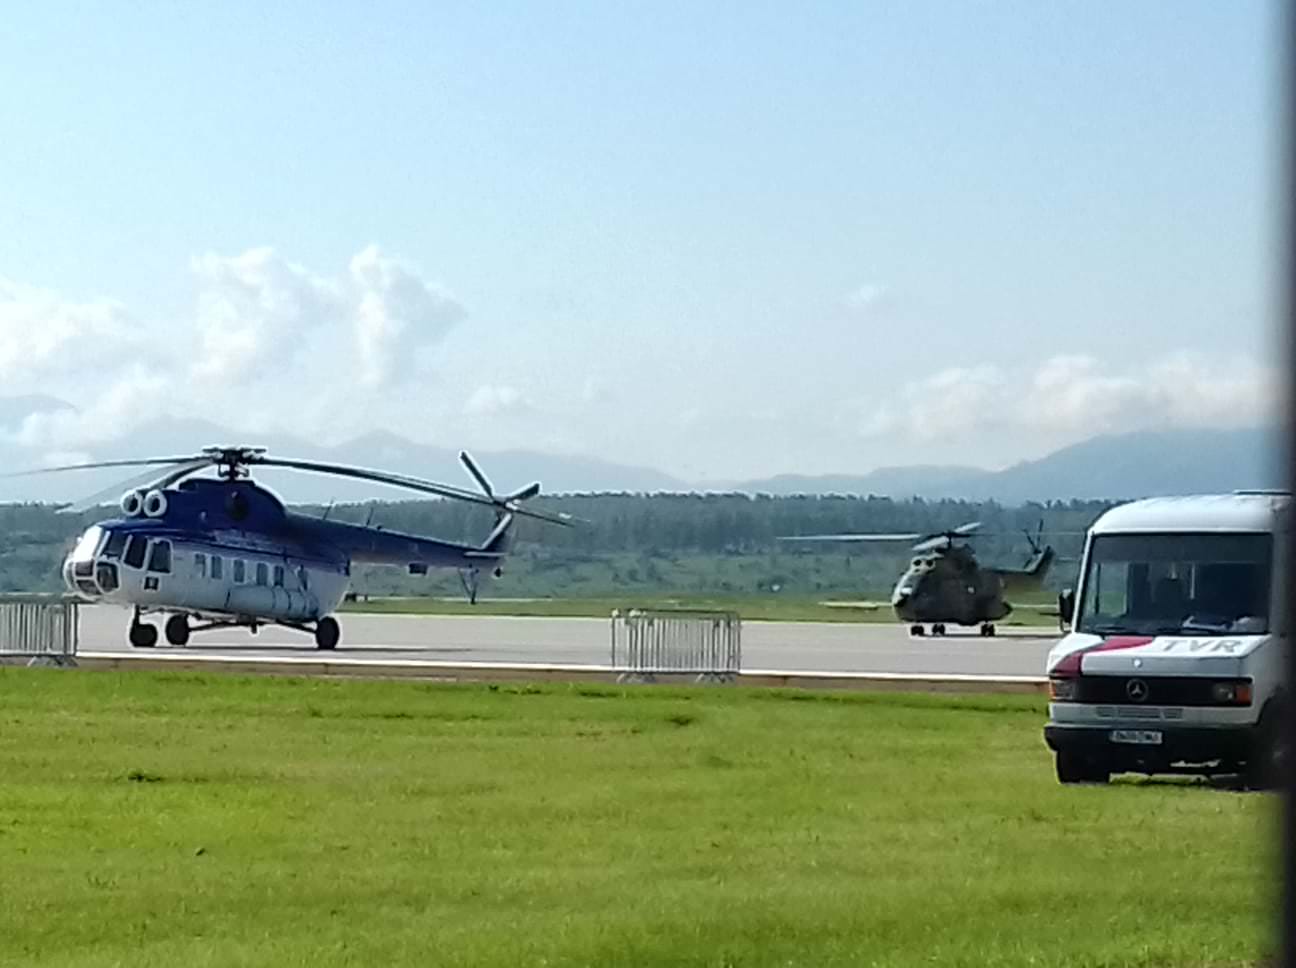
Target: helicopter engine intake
(154, 504)
(132, 503)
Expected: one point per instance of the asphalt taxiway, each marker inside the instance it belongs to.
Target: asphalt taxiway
(795, 646)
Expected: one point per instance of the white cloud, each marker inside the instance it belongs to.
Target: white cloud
(397, 312)
(135, 397)
(44, 335)
(489, 401)
(595, 390)
(865, 297)
(269, 345)
(255, 309)
(1069, 397)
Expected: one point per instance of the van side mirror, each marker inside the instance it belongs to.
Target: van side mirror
(1066, 608)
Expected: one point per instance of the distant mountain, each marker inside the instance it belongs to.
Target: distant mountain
(1112, 466)
(507, 470)
(921, 480)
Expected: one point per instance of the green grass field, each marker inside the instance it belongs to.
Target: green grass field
(767, 608)
(173, 820)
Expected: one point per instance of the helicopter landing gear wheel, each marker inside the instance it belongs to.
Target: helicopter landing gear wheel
(327, 633)
(917, 631)
(141, 635)
(988, 630)
(177, 629)
(938, 628)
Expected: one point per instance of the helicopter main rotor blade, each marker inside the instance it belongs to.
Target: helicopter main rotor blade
(931, 544)
(848, 537)
(94, 465)
(411, 483)
(148, 479)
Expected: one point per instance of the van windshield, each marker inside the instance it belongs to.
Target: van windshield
(1159, 584)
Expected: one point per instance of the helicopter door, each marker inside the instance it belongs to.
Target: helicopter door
(157, 570)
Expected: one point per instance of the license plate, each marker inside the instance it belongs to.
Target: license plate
(1138, 737)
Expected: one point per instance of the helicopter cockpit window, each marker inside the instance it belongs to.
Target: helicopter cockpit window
(115, 544)
(135, 550)
(106, 575)
(160, 558)
(88, 543)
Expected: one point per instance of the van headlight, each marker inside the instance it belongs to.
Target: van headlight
(1063, 690)
(1231, 693)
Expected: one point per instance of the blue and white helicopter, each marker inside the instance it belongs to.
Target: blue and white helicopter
(224, 552)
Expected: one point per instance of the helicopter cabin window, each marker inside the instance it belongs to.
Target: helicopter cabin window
(217, 567)
(200, 565)
(279, 576)
(262, 573)
(135, 550)
(160, 557)
(239, 570)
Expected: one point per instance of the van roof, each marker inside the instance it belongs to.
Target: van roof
(1239, 511)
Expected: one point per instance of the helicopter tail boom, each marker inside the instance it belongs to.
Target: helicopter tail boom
(1033, 572)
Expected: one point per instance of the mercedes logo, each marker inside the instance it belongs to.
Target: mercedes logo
(1137, 690)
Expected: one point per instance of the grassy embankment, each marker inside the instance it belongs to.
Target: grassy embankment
(769, 608)
(162, 820)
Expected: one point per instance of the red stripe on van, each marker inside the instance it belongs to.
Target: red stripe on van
(1070, 665)
(1122, 642)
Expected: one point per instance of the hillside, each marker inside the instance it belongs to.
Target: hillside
(1108, 467)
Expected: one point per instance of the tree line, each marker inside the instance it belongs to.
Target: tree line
(34, 537)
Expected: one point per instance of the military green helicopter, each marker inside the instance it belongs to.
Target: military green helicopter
(944, 583)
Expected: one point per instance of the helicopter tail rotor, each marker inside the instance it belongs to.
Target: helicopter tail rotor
(1036, 541)
(505, 504)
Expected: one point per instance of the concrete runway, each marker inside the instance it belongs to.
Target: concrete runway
(791, 646)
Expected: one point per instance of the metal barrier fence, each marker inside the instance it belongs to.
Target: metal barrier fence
(43, 628)
(649, 642)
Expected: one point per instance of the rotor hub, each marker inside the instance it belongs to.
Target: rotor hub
(232, 462)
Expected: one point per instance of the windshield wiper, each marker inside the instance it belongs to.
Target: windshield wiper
(1110, 629)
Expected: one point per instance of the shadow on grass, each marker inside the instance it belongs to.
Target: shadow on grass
(1223, 783)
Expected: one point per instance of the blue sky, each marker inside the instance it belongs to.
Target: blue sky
(721, 239)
